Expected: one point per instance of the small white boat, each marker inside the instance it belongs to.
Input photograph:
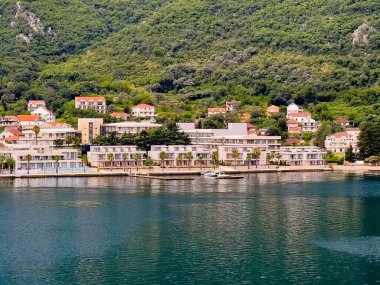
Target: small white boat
(210, 174)
(222, 175)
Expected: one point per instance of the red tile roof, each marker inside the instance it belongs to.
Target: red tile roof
(27, 118)
(36, 102)
(87, 99)
(294, 129)
(14, 131)
(291, 121)
(143, 106)
(12, 138)
(340, 135)
(213, 110)
(303, 114)
(342, 120)
(352, 130)
(119, 114)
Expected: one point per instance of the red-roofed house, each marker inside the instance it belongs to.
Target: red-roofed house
(35, 104)
(271, 110)
(44, 114)
(216, 111)
(343, 122)
(98, 104)
(8, 121)
(294, 130)
(340, 141)
(10, 132)
(28, 120)
(120, 115)
(232, 105)
(144, 111)
(300, 117)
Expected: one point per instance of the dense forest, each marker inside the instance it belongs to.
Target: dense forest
(186, 55)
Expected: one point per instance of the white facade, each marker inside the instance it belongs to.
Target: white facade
(293, 108)
(225, 154)
(302, 156)
(340, 142)
(35, 104)
(174, 151)
(127, 127)
(122, 156)
(43, 159)
(98, 104)
(144, 111)
(47, 136)
(44, 114)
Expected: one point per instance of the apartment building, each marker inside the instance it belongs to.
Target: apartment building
(201, 156)
(144, 111)
(302, 156)
(44, 114)
(47, 135)
(127, 127)
(98, 104)
(89, 128)
(35, 104)
(122, 156)
(341, 141)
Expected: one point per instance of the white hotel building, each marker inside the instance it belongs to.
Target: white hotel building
(127, 127)
(123, 156)
(302, 156)
(48, 134)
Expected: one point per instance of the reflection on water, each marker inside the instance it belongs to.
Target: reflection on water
(258, 230)
(368, 247)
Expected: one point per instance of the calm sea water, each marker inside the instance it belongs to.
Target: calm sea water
(310, 228)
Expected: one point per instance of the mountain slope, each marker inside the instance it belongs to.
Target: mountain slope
(192, 54)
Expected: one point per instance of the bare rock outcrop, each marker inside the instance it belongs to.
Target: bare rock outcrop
(361, 36)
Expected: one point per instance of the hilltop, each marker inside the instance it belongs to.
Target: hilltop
(187, 55)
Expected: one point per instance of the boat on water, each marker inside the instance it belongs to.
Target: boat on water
(210, 174)
(223, 175)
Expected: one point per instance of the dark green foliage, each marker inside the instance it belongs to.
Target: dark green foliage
(326, 129)
(349, 154)
(166, 135)
(214, 122)
(369, 140)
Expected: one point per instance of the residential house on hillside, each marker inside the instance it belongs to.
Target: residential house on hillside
(293, 108)
(144, 111)
(35, 104)
(127, 127)
(302, 156)
(8, 121)
(44, 114)
(89, 128)
(47, 135)
(28, 121)
(120, 115)
(272, 110)
(303, 120)
(232, 105)
(341, 141)
(343, 122)
(98, 104)
(216, 111)
(10, 134)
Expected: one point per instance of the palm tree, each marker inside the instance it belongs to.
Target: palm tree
(268, 158)
(235, 155)
(10, 162)
(163, 157)
(84, 162)
(149, 162)
(215, 158)
(137, 158)
(69, 140)
(249, 159)
(200, 161)
(110, 158)
(57, 158)
(125, 159)
(2, 160)
(278, 156)
(58, 143)
(29, 158)
(36, 130)
(189, 157)
(256, 153)
(77, 142)
(179, 160)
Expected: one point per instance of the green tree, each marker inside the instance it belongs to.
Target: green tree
(10, 162)
(2, 161)
(189, 157)
(137, 159)
(235, 156)
(163, 156)
(149, 162)
(36, 130)
(179, 160)
(125, 160)
(77, 142)
(278, 156)
(84, 161)
(57, 158)
(110, 158)
(256, 154)
(200, 161)
(28, 159)
(69, 140)
(349, 154)
(249, 159)
(215, 158)
(58, 143)
(369, 139)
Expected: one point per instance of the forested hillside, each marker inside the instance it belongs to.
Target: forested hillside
(187, 55)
